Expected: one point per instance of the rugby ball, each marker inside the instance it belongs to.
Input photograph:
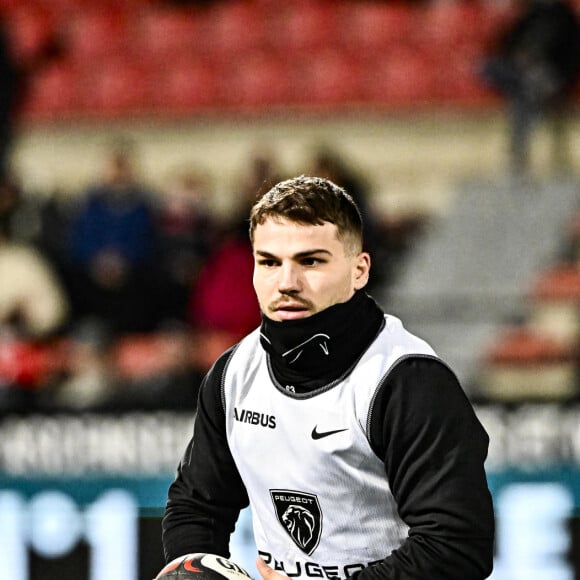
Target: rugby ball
(202, 566)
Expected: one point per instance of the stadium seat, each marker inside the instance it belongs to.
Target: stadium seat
(298, 28)
(142, 356)
(53, 91)
(523, 364)
(402, 77)
(185, 86)
(162, 32)
(6, 6)
(376, 26)
(28, 364)
(96, 33)
(209, 344)
(231, 29)
(29, 28)
(555, 303)
(457, 74)
(258, 79)
(452, 24)
(117, 86)
(325, 77)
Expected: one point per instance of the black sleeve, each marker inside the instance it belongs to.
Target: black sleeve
(434, 448)
(205, 499)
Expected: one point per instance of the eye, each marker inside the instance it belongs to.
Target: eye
(267, 262)
(311, 261)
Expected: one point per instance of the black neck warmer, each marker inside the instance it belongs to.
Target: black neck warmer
(311, 352)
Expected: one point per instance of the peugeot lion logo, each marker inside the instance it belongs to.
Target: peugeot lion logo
(300, 515)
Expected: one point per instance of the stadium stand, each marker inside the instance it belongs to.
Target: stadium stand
(439, 36)
(524, 365)
(471, 278)
(245, 59)
(538, 358)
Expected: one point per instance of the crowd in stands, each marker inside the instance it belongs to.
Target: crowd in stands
(120, 296)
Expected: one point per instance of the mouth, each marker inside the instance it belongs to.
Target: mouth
(290, 310)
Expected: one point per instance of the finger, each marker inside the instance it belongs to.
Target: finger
(265, 571)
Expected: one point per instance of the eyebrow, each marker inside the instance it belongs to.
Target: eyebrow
(304, 254)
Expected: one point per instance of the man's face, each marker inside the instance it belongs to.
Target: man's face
(300, 270)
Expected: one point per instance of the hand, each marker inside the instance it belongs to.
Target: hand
(267, 572)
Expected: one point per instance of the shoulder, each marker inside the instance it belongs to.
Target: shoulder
(402, 341)
(422, 380)
(420, 373)
(22, 256)
(391, 347)
(419, 393)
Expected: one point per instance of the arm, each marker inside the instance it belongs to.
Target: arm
(434, 450)
(207, 494)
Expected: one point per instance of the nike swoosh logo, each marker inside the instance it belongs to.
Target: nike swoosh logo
(320, 434)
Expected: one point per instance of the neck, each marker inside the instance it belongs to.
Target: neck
(312, 352)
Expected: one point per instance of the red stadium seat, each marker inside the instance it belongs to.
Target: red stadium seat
(97, 33)
(376, 26)
(555, 303)
(326, 77)
(258, 79)
(209, 344)
(117, 86)
(523, 346)
(162, 33)
(28, 364)
(53, 91)
(232, 28)
(561, 282)
(304, 27)
(6, 6)
(404, 77)
(457, 74)
(456, 24)
(29, 29)
(185, 86)
(138, 357)
(523, 364)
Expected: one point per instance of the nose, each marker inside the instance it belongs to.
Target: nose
(288, 279)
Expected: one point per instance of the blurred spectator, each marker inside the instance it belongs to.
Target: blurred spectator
(32, 301)
(33, 306)
(18, 65)
(112, 245)
(263, 174)
(19, 213)
(9, 99)
(223, 305)
(105, 373)
(88, 383)
(328, 163)
(54, 216)
(186, 233)
(155, 370)
(535, 64)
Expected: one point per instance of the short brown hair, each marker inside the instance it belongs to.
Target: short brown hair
(311, 200)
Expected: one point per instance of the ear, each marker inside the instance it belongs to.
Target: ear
(361, 270)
